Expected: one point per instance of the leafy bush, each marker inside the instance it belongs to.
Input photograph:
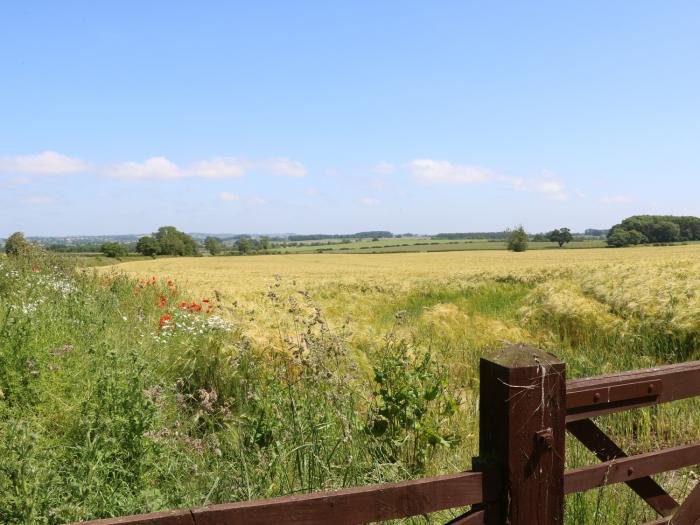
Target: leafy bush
(517, 240)
(411, 406)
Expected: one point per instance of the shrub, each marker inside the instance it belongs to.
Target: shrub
(114, 249)
(517, 240)
(16, 244)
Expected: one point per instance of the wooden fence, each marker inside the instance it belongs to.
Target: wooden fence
(526, 406)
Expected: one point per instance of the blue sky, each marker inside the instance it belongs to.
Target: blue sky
(119, 117)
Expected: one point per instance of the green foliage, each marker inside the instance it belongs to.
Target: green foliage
(517, 240)
(411, 406)
(264, 243)
(244, 245)
(214, 245)
(618, 237)
(168, 240)
(561, 236)
(114, 249)
(171, 241)
(634, 237)
(16, 244)
(148, 246)
(655, 229)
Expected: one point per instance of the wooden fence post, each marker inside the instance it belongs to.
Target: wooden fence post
(521, 438)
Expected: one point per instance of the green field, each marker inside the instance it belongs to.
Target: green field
(394, 245)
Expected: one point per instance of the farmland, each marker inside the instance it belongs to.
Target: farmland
(398, 245)
(174, 382)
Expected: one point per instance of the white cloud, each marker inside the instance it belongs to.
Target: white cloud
(37, 200)
(431, 171)
(153, 168)
(442, 171)
(284, 167)
(550, 187)
(226, 196)
(217, 168)
(383, 168)
(370, 201)
(258, 201)
(45, 163)
(616, 199)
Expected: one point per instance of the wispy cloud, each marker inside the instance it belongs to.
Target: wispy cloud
(444, 172)
(383, 168)
(283, 167)
(226, 196)
(258, 201)
(370, 201)
(218, 168)
(45, 163)
(616, 199)
(153, 168)
(547, 185)
(431, 171)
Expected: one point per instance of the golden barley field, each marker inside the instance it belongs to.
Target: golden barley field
(475, 299)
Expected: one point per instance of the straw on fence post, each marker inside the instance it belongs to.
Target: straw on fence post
(522, 428)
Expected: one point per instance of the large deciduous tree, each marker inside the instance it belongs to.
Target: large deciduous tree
(168, 240)
(561, 236)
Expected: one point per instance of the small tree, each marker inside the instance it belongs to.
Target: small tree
(561, 236)
(264, 243)
(517, 240)
(214, 245)
(16, 244)
(114, 249)
(147, 246)
(244, 245)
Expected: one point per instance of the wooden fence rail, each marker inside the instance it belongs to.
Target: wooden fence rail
(526, 408)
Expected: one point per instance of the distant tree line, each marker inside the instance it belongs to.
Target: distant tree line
(654, 229)
(504, 235)
(359, 235)
(592, 232)
(78, 248)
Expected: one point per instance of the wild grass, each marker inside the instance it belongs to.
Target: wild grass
(225, 379)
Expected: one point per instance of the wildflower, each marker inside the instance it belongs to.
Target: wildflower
(164, 320)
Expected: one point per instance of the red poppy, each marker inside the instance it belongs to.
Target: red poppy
(164, 320)
(205, 300)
